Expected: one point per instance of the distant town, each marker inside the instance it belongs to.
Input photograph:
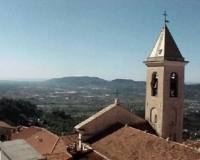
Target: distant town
(93, 94)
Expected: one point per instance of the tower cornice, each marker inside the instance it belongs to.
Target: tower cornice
(165, 63)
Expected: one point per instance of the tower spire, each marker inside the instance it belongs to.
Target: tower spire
(165, 15)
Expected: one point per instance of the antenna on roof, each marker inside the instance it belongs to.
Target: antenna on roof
(165, 15)
(117, 102)
(117, 93)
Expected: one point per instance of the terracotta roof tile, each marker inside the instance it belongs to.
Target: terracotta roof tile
(105, 133)
(59, 147)
(192, 144)
(112, 108)
(129, 143)
(43, 141)
(5, 125)
(59, 156)
(92, 155)
(145, 126)
(26, 133)
(69, 139)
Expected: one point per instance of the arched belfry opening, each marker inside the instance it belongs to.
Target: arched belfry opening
(154, 84)
(173, 84)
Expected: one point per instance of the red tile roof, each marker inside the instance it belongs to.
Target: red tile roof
(5, 125)
(192, 144)
(24, 134)
(144, 126)
(59, 156)
(41, 140)
(59, 146)
(105, 133)
(92, 155)
(69, 139)
(45, 142)
(128, 143)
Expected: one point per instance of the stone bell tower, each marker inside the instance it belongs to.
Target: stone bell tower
(165, 87)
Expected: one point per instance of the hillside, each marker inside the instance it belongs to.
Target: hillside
(87, 81)
(192, 91)
(78, 81)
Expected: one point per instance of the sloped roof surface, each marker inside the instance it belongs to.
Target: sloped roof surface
(59, 146)
(192, 144)
(129, 143)
(69, 139)
(103, 111)
(92, 155)
(59, 156)
(26, 133)
(145, 126)
(41, 140)
(94, 116)
(165, 48)
(20, 150)
(5, 125)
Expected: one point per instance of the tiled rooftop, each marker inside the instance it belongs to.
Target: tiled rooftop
(41, 140)
(105, 133)
(113, 107)
(26, 133)
(192, 144)
(94, 116)
(129, 143)
(92, 155)
(59, 156)
(142, 126)
(5, 125)
(69, 139)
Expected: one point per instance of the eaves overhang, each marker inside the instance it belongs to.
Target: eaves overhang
(165, 63)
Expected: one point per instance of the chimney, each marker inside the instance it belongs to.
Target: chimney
(117, 102)
(168, 139)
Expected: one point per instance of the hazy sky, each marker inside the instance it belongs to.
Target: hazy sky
(104, 38)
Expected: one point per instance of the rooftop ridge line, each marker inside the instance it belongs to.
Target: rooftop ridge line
(101, 155)
(55, 145)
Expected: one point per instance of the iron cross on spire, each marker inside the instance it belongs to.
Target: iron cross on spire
(165, 15)
(117, 93)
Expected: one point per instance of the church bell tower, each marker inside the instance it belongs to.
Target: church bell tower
(165, 87)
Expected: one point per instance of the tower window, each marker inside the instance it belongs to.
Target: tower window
(173, 85)
(154, 84)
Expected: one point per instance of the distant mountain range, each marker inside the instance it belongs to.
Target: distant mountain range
(92, 81)
(192, 91)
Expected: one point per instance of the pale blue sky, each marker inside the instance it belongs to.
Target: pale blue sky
(110, 39)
